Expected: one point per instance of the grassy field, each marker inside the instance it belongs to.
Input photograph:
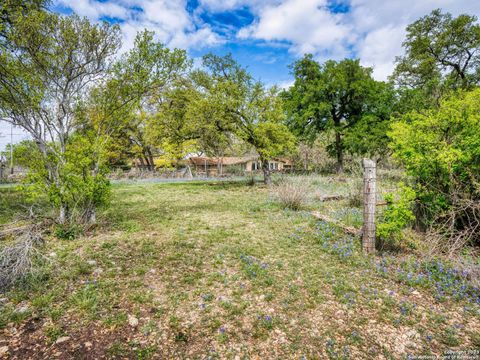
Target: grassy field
(221, 270)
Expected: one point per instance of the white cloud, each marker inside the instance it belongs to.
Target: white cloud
(381, 25)
(169, 19)
(379, 48)
(95, 9)
(225, 5)
(372, 29)
(287, 84)
(307, 24)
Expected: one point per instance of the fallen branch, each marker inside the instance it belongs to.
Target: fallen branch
(13, 231)
(332, 198)
(17, 258)
(348, 229)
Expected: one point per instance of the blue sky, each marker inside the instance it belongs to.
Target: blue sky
(268, 35)
(268, 61)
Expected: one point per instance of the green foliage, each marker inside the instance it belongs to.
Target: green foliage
(67, 231)
(341, 96)
(82, 183)
(45, 77)
(397, 215)
(125, 109)
(441, 53)
(440, 150)
(11, 12)
(25, 153)
(233, 102)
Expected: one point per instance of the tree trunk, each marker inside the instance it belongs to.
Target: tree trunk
(148, 164)
(63, 214)
(91, 215)
(151, 161)
(266, 172)
(339, 151)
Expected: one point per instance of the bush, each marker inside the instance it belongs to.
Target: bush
(396, 217)
(68, 231)
(291, 193)
(440, 149)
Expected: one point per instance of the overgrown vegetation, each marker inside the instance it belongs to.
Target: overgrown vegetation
(397, 216)
(218, 269)
(440, 150)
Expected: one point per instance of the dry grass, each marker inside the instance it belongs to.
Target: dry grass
(292, 192)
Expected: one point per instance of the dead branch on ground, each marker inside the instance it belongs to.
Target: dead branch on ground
(348, 229)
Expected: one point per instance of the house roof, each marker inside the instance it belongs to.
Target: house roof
(284, 160)
(228, 160)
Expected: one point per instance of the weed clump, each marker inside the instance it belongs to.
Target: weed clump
(68, 231)
(291, 193)
(355, 194)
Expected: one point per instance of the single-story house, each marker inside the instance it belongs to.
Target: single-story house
(214, 166)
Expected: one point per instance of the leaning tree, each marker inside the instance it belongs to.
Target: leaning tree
(244, 107)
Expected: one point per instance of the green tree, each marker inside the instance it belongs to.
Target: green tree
(442, 52)
(440, 149)
(44, 80)
(120, 109)
(239, 104)
(12, 12)
(343, 97)
(24, 153)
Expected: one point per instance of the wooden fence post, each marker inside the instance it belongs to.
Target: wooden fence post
(369, 200)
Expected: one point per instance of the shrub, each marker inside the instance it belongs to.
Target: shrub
(291, 193)
(397, 216)
(68, 231)
(440, 151)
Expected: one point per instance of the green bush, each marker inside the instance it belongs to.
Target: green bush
(440, 149)
(67, 231)
(396, 217)
(81, 183)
